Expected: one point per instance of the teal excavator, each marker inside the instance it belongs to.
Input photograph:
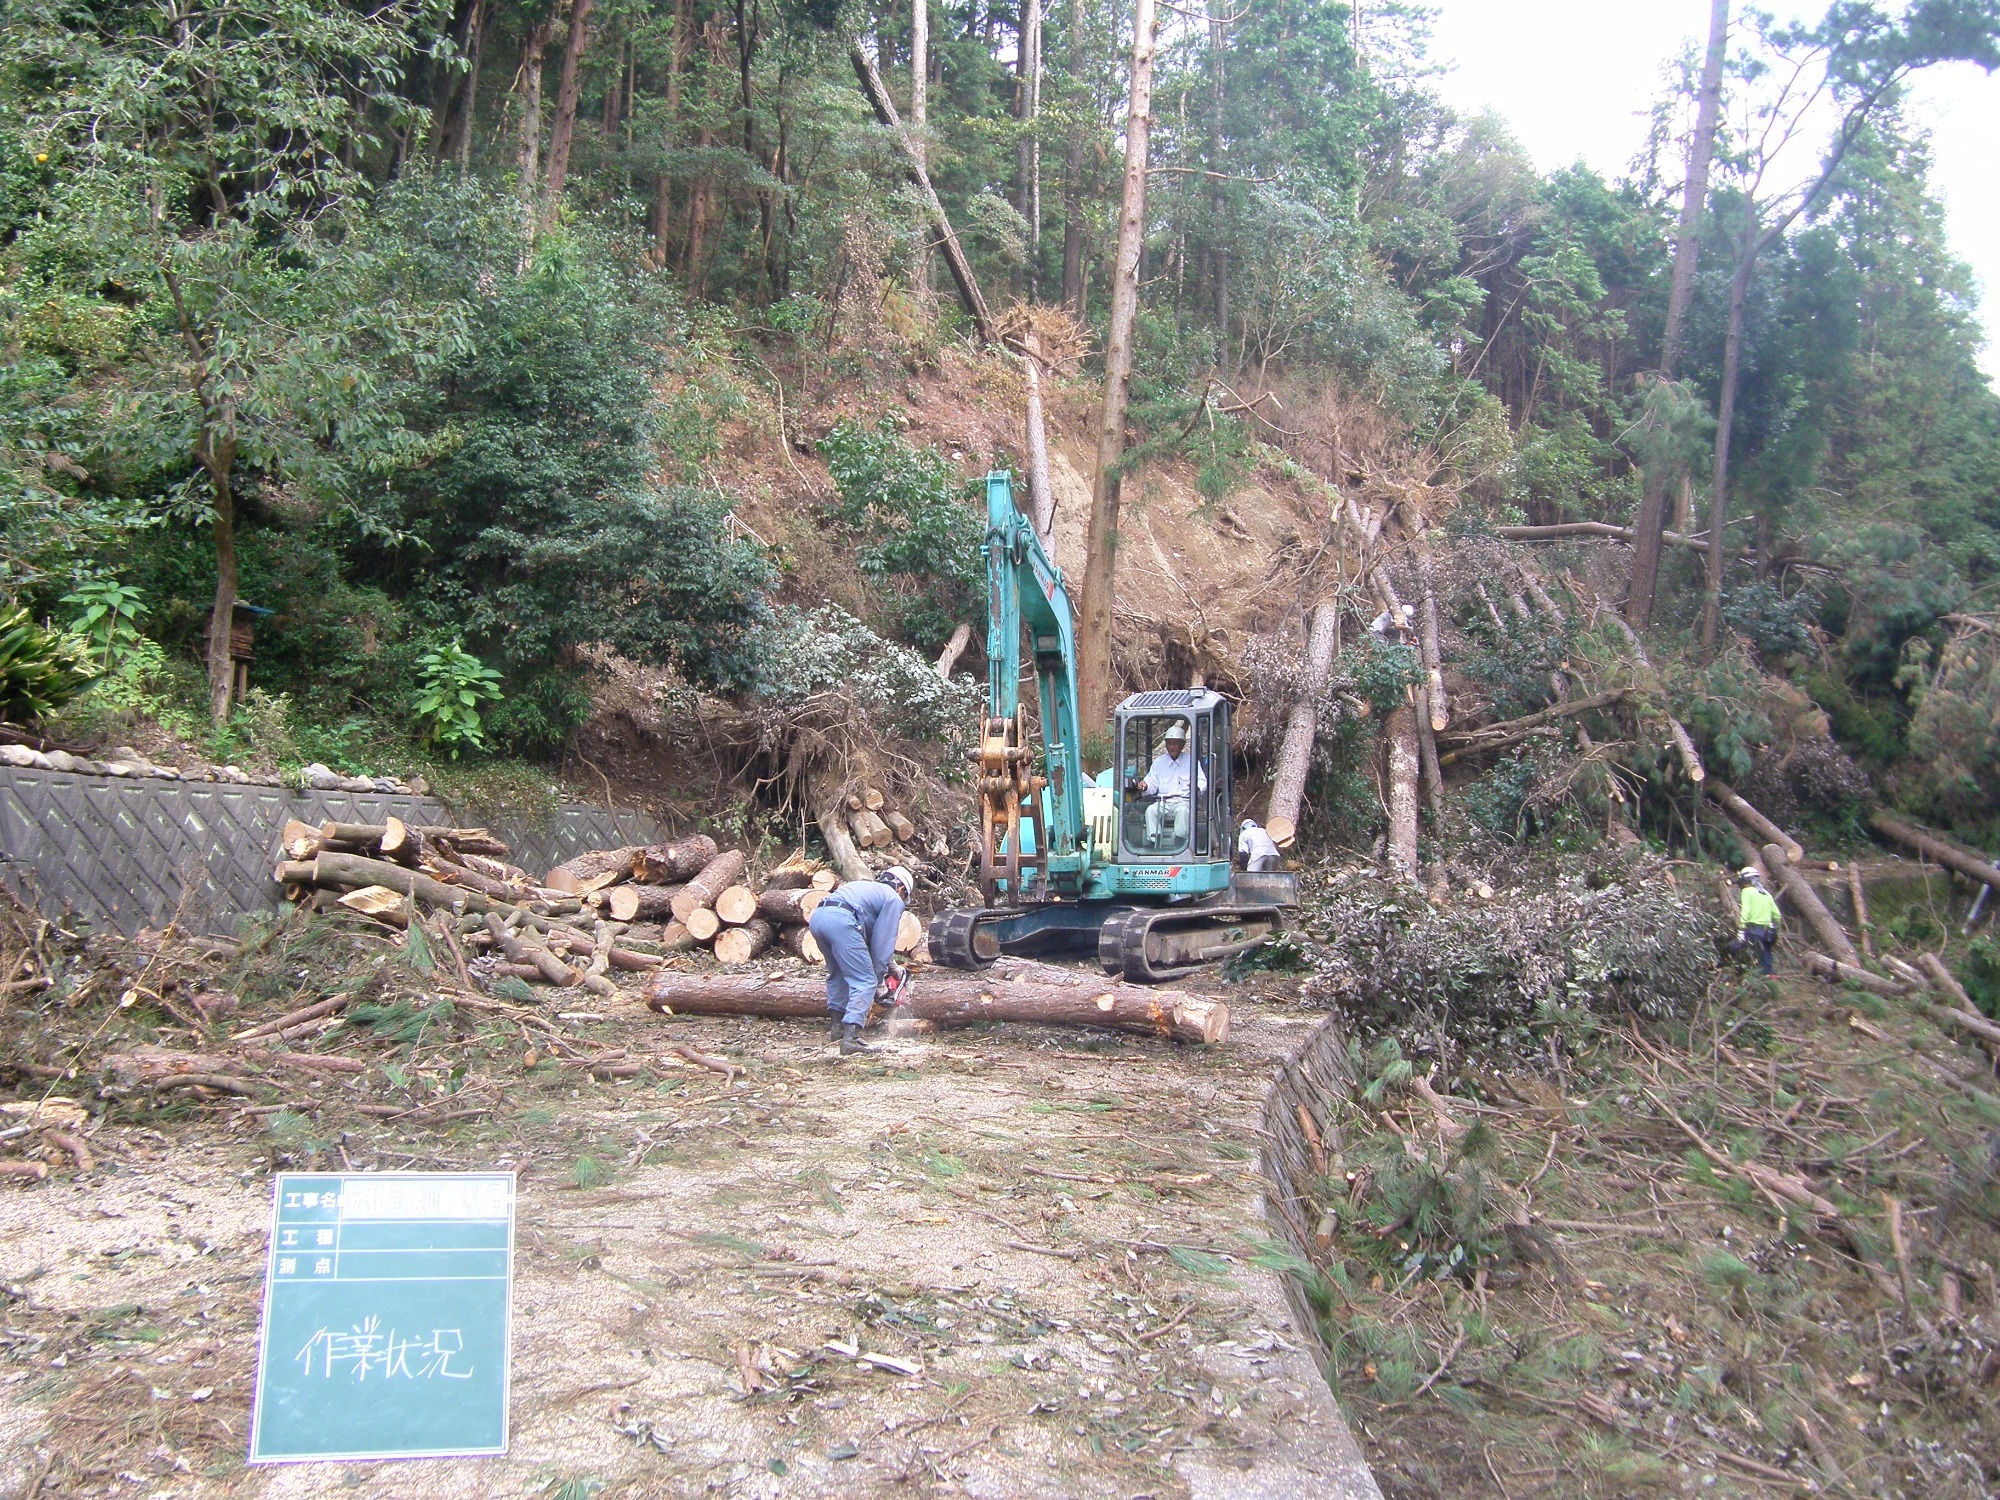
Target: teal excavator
(1068, 863)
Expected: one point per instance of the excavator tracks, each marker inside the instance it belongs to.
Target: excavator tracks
(1143, 944)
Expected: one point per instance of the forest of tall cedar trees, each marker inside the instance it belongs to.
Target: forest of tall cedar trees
(418, 320)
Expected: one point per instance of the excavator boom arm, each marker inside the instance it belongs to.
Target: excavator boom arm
(1026, 597)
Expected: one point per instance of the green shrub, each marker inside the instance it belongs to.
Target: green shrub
(39, 670)
(915, 522)
(107, 616)
(453, 684)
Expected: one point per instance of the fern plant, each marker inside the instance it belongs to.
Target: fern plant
(39, 672)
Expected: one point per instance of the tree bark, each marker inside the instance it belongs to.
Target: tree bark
(1288, 788)
(1029, 993)
(1930, 846)
(961, 637)
(1806, 900)
(1835, 970)
(1590, 528)
(954, 253)
(1100, 562)
(664, 864)
(564, 129)
(222, 614)
(1743, 812)
(789, 908)
(1079, 143)
(1041, 488)
(534, 53)
(1438, 702)
(1399, 732)
(1029, 66)
(717, 876)
(1645, 575)
(920, 149)
(1725, 421)
(742, 943)
(571, 874)
(840, 843)
(641, 903)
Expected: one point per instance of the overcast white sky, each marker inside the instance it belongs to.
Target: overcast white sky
(1576, 79)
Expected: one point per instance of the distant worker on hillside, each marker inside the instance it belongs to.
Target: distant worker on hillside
(1168, 781)
(1255, 850)
(1392, 626)
(1757, 919)
(856, 930)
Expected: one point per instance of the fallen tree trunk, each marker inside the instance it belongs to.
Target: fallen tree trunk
(573, 874)
(352, 871)
(1857, 893)
(736, 905)
(1400, 732)
(1031, 993)
(789, 907)
(1806, 901)
(1744, 813)
(832, 821)
(1288, 788)
(641, 903)
(1427, 749)
(1963, 1016)
(715, 877)
(1588, 528)
(800, 943)
(1683, 742)
(953, 649)
(1834, 971)
(671, 863)
(1427, 640)
(738, 945)
(1932, 847)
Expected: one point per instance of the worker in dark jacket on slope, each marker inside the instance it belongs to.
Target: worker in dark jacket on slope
(856, 929)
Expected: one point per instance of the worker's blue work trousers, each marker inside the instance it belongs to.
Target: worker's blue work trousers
(850, 970)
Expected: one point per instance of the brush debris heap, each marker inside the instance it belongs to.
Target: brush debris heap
(626, 909)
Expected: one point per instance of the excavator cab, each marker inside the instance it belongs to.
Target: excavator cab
(1173, 777)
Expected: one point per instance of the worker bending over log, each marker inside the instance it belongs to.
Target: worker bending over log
(856, 931)
(1256, 850)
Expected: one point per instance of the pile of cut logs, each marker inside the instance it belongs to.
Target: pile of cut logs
(625, 909)
(875, 824)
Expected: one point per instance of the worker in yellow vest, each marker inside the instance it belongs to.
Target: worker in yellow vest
(1756, 918)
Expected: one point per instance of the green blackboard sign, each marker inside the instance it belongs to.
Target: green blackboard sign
(386, 1299)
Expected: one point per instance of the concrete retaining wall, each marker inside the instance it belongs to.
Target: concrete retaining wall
(126, 853)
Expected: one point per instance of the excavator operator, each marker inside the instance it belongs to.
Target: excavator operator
(1168, 782)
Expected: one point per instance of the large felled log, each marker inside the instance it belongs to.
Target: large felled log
(1971, 866)
(1400, 732)
(640, 903)
(671, 863)
(1031, 993)
(788, 908)
(832, 821)
(574, 875)
(800, 943)
(1963, 1017)
(1744, 813)
(1589, 528)
(463, 840)
(400, 843)
(900, 826)
(1834, 971)
(909, 932)
(702, 924)
(1288, 787)
(1427, 748)
(736, 905)
(738, 945)
(1807, 903)
(1427, 638)
(715, 877)
(1857, 895)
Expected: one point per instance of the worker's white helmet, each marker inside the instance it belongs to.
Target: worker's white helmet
(1747, 874)
(900, 878)
(1177, 730)
(1249, 823)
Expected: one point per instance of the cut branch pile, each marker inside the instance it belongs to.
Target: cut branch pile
(621, 910)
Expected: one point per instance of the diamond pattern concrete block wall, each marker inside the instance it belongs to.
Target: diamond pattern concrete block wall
(128, 853)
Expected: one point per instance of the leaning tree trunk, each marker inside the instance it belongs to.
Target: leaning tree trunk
(1030, 153)
(1649, 529)
(1101, 552)
(564, 130)
(1725, 420)
(920, 93)
(1288, 789)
